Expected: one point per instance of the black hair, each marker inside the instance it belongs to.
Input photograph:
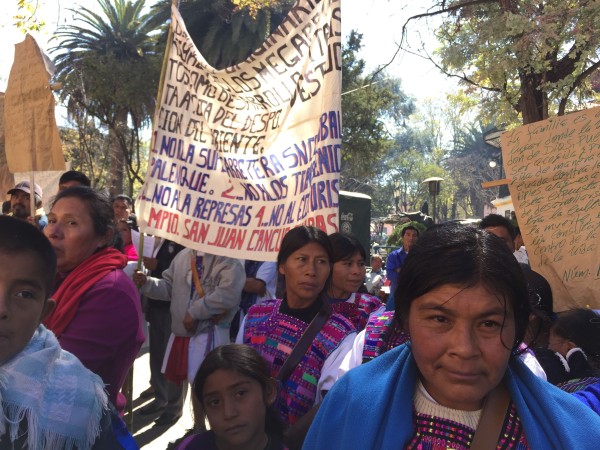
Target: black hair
(454, 254)
(98, 205)
(300, 236)
(582, 327)
(6, 207)
(410, 227)
(75, 175)
(123, 197)
(496, 220)
(345, 246)
(18, 236)
(246, 361)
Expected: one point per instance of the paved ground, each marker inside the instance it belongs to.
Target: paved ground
(148, 435)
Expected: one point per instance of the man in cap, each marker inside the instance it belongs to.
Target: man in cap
(20, 204)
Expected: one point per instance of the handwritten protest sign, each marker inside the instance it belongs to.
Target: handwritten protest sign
(241, 155)
(32, 141)
(7, 180)
(554, 168)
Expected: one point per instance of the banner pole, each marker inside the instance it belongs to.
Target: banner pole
(163, 71)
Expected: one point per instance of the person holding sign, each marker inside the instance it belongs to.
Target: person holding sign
(458, 384)
(300, 338)
(204, 292)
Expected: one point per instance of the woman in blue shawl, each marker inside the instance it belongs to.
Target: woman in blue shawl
(457, 384)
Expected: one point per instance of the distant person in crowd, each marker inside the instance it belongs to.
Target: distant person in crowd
(260, 285)
(20, 204)
(520, 250)
(395, 260)
(122, 207)
(236, 394)
(375, 279)
(6, 208)
(347, 281)
(204, 292)
(275, 327)
(575, 343)
(501, 227)
(463, 300)
(513, 219)
(49, 399)
(158, 316)
(98, 311)
(542, 309)
(73, 178)
(124, 229)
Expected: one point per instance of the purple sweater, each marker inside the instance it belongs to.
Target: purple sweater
(106, 332)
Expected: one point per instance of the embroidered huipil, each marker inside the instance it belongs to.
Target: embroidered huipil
(358, 308)
(382, 333)
(275, 334)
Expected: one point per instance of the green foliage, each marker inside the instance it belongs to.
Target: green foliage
(87, 148)
(254, 6)
(371, 105)
(26, 19)
(395, 238)
(224, 32)
(109, 68)
(522, 60)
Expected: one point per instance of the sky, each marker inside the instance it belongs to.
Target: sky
(379, 21)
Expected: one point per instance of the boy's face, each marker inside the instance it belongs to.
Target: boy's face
(23, 304)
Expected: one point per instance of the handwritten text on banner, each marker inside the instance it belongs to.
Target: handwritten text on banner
(243, 154)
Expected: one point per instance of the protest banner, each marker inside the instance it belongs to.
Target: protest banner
(554, 172)
(241, 155)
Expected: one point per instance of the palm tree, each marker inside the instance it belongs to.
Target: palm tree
(109, 67)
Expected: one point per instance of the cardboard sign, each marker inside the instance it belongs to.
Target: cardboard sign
(241, 155)
(32, 140)
(554, 168)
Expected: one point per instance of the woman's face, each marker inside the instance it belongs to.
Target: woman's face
(348, 276)
(70, 230)
(125, 232)
(459, 342)
(305, 271)
(236, 407)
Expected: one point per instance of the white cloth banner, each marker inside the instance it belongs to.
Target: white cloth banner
(241, 155)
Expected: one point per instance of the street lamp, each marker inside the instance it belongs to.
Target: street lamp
(433, 184)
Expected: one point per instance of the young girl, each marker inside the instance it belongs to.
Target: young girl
(234, 391)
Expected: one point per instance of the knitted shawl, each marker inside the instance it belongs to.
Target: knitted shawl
(47, 393)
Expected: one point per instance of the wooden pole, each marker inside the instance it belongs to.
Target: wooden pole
(128, 386)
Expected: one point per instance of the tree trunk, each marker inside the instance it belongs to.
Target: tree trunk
(533, 102)
(118, 162)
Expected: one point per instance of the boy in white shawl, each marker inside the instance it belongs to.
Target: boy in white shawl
(48, 399)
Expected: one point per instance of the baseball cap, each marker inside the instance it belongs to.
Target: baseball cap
(25, 187)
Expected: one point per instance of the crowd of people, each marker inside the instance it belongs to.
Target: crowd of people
(466, 352)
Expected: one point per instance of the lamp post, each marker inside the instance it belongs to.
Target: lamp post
(433, 183)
